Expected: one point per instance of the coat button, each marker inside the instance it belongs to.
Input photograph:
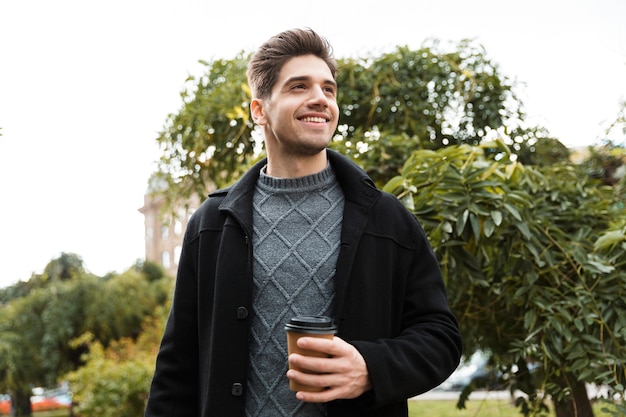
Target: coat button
(237, 389)
(242, 313)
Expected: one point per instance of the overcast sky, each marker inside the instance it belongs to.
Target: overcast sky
(85, 87)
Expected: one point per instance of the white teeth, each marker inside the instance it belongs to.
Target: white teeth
(314, 119)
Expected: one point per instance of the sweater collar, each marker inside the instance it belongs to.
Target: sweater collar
(301, 184)
(357, 186)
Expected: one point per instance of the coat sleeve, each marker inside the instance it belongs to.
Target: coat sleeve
(174, 389)
(416, 343)
(421, 357)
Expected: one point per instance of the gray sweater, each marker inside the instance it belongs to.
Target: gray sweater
(297, 231)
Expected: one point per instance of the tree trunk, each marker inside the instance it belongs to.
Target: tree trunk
(20, 404)
(578, 406)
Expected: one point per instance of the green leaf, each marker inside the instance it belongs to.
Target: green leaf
(598, 267)
(461, 221)
(475, 226)
(489, 227)
(610, 239)
(394, 184)
(579, 364)
(523, 227)
(496, 215)
(579, 324)
(514, 212)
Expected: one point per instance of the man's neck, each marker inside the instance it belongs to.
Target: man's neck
(296, 167)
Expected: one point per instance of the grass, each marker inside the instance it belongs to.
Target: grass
(447, 408)
(475, 408)
(55, 413)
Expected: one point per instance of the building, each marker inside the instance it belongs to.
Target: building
(164, 230)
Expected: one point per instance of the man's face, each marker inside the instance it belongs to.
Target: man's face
(301, 115)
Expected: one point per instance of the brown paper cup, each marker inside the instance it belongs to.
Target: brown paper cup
(310, 326)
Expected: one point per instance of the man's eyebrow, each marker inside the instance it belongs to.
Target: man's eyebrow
(298, 78)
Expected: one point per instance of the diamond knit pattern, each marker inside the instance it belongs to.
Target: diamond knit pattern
(297, 229)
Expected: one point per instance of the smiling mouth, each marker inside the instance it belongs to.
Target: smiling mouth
(314, 119)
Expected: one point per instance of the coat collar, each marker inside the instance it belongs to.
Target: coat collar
(360, 195)
(357, 186)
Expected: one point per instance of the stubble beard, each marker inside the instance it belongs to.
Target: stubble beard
(307, 147)
(301, 143)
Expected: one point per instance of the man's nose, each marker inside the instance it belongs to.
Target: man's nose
(319, 96)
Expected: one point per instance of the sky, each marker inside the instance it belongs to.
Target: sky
(87, 85)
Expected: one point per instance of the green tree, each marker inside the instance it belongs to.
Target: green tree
(536, 147)
(114, 381)
(37, 328)
(209, 140)
(420, 99)
(64, 267)
(530, 273)
(607, 163)
(121, 304)
(35, 331)
(412, 99)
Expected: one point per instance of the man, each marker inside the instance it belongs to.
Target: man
(304, 232)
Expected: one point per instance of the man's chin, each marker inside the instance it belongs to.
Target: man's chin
(314, 147)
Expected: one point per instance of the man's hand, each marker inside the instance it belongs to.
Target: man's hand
(343, 374)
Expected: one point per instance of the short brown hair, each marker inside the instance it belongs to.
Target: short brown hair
(266, 63)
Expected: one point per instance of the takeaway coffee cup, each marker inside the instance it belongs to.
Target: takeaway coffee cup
(310, 326)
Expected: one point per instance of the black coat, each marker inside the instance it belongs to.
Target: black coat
(390, 304)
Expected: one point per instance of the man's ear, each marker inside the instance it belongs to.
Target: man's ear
(258, 111)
